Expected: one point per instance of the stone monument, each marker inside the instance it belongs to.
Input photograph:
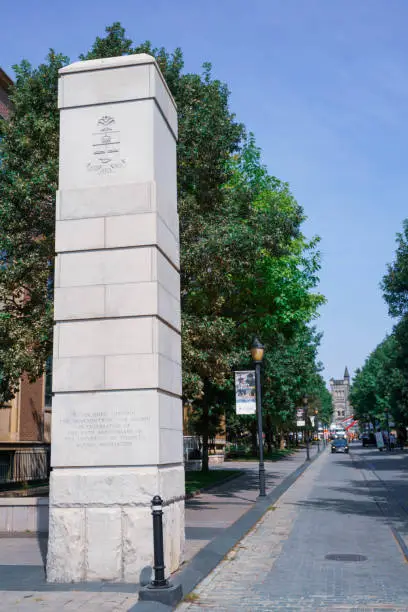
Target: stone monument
(116, 414)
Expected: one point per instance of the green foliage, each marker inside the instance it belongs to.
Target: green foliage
(246, 267)
(28, 181)
(382, 383)
(395, 282)
(373, 387)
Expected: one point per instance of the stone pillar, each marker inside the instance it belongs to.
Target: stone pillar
(117, 415)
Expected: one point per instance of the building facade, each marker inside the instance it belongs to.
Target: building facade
(5, 84)
(340, 390)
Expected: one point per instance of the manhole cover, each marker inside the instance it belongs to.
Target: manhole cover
(345, 557)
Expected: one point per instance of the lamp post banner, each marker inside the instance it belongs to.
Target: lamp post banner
(245, 401)
(300, 417)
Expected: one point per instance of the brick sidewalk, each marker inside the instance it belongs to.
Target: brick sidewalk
(281, 564)
(208, 514)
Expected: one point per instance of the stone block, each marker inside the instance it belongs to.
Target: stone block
(115, 486)
(167, 341)
(99, 87)
(166, 274)
(66, 556)
(91, 429)
(165, 170)
(79, 235)
(141, 372)
(169, 307)
(131, 230)
(141, 229)
(165, 102)
(131, 299)
(78, 374)
(107, 337)
(170, 446)
(171, 484)
(170, 412)
(173, 535)
(104, 543)
(79, 302)
(106, 267)
(169, 375)
(168, 241)
(117, 199)
(82, 166)
(119, 79)
(131, 372)
(122, 300)
(137, 542)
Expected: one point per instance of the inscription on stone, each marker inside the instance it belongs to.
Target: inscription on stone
(106, 147)
(119, 427)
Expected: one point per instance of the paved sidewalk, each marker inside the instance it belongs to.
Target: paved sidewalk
(282, 563)
(209, 513)
(22, 585)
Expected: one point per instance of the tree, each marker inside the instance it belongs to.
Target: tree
(395, 282)
(380, 386)
(28, 181)
(246, 267)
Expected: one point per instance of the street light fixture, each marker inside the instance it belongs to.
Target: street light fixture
(257, 352)
(305, 404)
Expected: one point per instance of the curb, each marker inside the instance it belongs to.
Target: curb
(210, 556)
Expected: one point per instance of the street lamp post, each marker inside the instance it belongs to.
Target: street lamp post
(257, 352)
(317, 430)
(305, 399)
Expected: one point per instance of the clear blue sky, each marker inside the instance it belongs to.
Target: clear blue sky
(322, 84)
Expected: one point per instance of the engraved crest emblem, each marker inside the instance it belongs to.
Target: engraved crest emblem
(106, 147)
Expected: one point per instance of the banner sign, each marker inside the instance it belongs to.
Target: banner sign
(245, 396)
(300, 417)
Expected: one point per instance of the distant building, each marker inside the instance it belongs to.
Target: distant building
(340, 390)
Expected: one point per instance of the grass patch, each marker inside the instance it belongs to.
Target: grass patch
(200, 480)
(275, 455)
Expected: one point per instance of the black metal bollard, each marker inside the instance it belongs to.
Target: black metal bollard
(160, 589)
(157, 513)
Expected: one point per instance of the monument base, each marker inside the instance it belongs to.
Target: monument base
(101, 524)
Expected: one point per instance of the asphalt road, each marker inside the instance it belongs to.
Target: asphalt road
(335, 541)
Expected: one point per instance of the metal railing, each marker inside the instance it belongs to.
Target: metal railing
(24, 466)
(192, 448)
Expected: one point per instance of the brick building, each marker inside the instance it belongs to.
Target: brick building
(5, 84)
(24, 422)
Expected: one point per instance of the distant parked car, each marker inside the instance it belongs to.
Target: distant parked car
(368, 439)
(339, 446)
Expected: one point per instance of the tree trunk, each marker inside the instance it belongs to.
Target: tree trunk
(268, 434)
(281, 441)
(205, 430)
